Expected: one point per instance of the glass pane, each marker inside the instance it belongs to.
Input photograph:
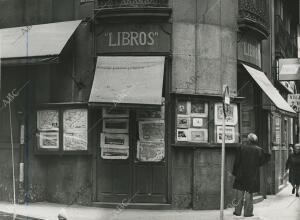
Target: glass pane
(48, 129)
(151, 138)
(75, 129)
(192, 121)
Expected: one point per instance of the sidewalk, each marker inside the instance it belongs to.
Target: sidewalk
(279, 207)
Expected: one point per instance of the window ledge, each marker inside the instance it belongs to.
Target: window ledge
(204, 145)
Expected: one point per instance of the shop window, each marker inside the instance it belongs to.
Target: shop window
(200, 121)
(62, 130)
(147, 132)
(231, 123)
(115, 134)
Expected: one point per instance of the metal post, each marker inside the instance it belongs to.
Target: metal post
(222, 170)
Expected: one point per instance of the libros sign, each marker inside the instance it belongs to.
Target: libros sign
(133, 38)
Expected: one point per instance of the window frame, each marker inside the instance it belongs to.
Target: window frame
(211, 127)
(61, 108)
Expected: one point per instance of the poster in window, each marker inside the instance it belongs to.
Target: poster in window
(47, 120)
(199, 122)
(183, 121)
(198, 135)
(147, 114)
(109, 140)
(231, 117)
(48, 140)
(75, 141)
(182, 108)
(115, 152)
(150, 151)
(115, 125)
(152, 130)
(229, 134)
(115, 113)
(199, 109)
(75, 119)
(182, 134)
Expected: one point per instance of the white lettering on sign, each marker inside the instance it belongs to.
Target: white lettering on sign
(252, 49)
(131, 38)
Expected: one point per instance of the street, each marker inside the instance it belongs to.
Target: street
(284, 205)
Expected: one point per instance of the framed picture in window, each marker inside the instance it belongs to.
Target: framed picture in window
(152, 130)
(197, 122)
(108, 140)
(150, 114)
(199, 109)
(150, 151)
(182, 108)
(198, 135)
(115, 113)
(182, 135)
(183, 121)
(47, 120)
(74, 119)
(229, 134)
(115, 152)
(48, 140)
(115, 125)
(231, 117)
(75, 141)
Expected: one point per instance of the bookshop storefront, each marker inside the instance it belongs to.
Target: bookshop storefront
(127, 103)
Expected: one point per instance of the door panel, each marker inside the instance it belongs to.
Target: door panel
(150, 183)
(139, 182)
(113, 180)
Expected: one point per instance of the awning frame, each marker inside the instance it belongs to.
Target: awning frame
(265, 85)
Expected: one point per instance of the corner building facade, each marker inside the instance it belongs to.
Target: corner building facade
(127, 102)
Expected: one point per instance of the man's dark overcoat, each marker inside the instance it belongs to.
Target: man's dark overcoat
(246, 168)
(293, 164)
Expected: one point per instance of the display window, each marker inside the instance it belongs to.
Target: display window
(147, 132)
(62, 129)
(199, 121)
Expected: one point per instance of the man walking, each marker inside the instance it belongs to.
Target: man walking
(246, 171)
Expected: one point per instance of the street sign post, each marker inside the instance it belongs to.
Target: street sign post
(226, 103)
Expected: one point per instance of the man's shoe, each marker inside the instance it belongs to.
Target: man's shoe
(234, 213)
(293, 190)
(297, 194)
(249, 215)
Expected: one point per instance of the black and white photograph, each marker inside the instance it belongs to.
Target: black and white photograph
(149, 109)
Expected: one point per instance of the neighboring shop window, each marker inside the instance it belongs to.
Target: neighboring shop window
(115, 134)
(62, 129)
(151, 139)
(199, 120)
(192, 121)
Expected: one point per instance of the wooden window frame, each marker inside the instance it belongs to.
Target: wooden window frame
(212, 142)
(61, 108)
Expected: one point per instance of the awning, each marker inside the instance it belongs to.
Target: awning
(42, 41)
(289, 69)
(264, 83)
(128, 80)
